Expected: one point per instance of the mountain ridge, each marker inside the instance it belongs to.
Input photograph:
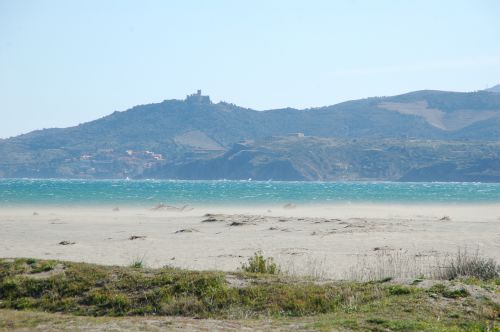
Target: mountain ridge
(176, 132)
(495, 88)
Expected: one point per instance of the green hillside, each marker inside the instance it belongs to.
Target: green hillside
(174, 137)
(331, 159)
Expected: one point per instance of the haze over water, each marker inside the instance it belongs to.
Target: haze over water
(15, 192)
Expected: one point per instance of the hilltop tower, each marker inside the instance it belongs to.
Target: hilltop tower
(198, 98)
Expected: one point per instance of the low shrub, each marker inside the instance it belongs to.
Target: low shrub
(259, 264)
(41, 266)
(138, 263)
(448, 293)
(466, 265)
(400, 290)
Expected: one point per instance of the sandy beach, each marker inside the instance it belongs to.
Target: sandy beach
(326, 240)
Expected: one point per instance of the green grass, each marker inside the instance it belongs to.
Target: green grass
(137, 264)
(469, 265)
(448, 293)
(400, 290)
(41, 266)
(93, 290)
(259, 264)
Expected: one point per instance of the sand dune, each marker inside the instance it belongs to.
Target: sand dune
(327, 239)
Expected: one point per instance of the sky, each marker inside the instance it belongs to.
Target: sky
(67, 62)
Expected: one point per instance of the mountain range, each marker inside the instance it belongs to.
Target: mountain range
(419, 136)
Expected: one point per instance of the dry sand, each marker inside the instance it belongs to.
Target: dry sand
(325, 240)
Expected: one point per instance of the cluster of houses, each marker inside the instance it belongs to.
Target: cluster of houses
(111, 163)
(147, 154)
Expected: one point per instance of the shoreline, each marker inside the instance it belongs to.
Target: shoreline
(370, 210)
(239, 205)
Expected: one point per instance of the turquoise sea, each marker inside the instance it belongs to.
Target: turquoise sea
(151, 192)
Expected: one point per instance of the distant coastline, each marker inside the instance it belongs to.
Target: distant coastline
(419, 136)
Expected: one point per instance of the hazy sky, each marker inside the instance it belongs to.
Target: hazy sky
(67, 62)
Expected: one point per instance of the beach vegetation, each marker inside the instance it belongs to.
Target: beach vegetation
(41, 265)
(444, 291)
(138, 262)
(400, 290)
(468, 265)
(260, 264)
(94, 290)
(386, 265)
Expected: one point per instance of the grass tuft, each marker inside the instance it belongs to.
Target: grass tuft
(41, 266)
(467, 265)
(400, 290)
(138, 263)
(259, 264)
(446, 292)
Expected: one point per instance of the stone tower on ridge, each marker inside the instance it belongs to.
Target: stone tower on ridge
(198, 98)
